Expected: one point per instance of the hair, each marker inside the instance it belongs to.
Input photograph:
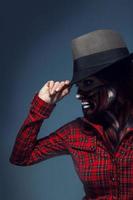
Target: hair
(120, 74)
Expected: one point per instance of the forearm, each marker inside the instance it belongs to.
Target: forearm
(26, 138)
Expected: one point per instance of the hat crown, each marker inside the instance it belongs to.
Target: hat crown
(97, 50)
(96, 42)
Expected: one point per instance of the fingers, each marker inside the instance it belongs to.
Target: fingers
(61, 85)
(65, 92)
(51, 84)
(57, 86)
(53, 89)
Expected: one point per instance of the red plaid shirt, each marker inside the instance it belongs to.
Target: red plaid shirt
(105, 175)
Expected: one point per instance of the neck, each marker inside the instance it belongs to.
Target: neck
(116, 116)
(121, 111)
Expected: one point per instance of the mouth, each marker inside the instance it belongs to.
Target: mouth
(89, 102)
(85, 104)
(89, 105)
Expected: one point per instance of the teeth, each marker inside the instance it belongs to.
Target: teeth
(86, 106)
(84, 103)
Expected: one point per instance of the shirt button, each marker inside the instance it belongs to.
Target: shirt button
(113, 160)
(122, 152)
(113, 179)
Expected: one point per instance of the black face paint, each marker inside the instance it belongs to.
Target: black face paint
(89, 84)
(95, 95)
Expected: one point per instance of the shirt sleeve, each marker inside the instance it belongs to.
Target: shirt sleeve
(27, 149)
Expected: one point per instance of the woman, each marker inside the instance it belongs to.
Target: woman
(101, 142)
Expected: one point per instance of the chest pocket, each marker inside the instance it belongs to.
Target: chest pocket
(83, 151)
(84, 143)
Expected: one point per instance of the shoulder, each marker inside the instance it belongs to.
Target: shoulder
(82, 135)
(77, 123)
(79, 126)
(75, 128)
(81, 123)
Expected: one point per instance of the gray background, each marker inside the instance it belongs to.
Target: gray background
(36, 47)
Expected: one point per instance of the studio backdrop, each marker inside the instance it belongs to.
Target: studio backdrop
(36, 47)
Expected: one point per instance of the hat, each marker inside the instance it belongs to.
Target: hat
(95, 51)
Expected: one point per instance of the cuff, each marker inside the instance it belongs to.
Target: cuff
(40, 106)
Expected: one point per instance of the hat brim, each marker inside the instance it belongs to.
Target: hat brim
(85, 73)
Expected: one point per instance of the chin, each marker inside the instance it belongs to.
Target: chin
(89, 114)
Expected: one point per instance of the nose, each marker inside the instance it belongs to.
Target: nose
(78, 96)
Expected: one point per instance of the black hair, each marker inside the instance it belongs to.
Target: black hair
(120, 74)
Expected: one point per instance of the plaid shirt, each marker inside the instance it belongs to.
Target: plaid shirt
(104, 174)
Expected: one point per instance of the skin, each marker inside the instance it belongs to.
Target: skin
(120, 107)
(54, 91)
(90, 83)
(88, 89)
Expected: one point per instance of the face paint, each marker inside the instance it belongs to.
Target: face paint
(90, 83)
(95, 95)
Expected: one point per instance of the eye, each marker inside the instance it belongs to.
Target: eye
(87, 82)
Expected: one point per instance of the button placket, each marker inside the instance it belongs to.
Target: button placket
(114, 174)
(113, 177)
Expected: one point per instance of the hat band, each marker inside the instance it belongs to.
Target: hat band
(100, 58)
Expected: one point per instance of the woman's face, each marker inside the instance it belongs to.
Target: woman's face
(95, 95)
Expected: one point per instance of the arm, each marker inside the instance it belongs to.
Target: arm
(27, 149)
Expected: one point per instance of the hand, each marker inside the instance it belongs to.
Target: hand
(52, 92)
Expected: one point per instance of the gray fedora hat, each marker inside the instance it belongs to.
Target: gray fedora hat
(95, 51)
